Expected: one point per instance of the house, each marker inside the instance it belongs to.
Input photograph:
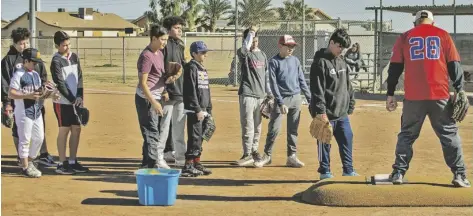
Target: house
(84, 23)
(141, 22)
(4, 23)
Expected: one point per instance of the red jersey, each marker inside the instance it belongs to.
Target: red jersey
(425, 51)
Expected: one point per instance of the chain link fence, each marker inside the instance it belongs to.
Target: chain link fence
(113, 59)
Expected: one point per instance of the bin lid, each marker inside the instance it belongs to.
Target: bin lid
(158, 171)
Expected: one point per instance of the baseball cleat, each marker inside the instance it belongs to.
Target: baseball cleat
(396, 178)
(245, 160)
(204, 170)
(326, 175)
(293, 161)
(190, 171)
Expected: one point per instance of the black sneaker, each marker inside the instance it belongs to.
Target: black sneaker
(78, 168)
(204, 170)
(46, 159)
(64, 169)
(190, 171)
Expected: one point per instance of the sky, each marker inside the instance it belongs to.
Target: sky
(345, 9)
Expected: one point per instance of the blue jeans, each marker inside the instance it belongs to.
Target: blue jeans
(344, 137)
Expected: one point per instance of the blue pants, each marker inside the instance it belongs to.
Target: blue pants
(344, 137)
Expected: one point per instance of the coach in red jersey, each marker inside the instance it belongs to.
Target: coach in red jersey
(429, 57)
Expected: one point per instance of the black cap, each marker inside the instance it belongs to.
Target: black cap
(32, 54)
(60, 36)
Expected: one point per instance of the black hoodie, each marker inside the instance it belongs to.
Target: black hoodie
(330, 86)
(196, 88)
(174, 52)
(10, 63)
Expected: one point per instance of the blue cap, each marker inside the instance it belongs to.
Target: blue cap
(198, 46)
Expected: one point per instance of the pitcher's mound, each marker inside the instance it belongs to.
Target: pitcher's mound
(363, 191)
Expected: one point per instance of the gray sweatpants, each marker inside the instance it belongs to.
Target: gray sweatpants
(293, 103)
(174, 112)
(250, 119)
(413, 116)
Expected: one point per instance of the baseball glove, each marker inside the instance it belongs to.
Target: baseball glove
(7, 118)
(267, 106)
(321, 130)
(82, 115)
(47, 91)
(460, 105)
(174, 72)
(208, 127)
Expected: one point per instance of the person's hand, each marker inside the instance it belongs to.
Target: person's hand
(157, 107)
(33, 96)
(200, 116)
(56, 96)
(283, 108)
(8, 108)
(165, 97)
(324, 117)
(79, 102)
(391, 103)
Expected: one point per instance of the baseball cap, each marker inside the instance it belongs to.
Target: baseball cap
(198, 46)
(32, 54)
(287, 40)
(424, 14)
(60, 36)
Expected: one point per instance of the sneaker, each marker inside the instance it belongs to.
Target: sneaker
(459, 180)
(162, 164)
(350, 174)
(204, 170)
(265, 160)
(190, 171)
(78, 168)
(31, 171)
(293, 161)
(256, 156)
(64, 169)
(326, 175)
(245, 160)
(396, 178)
(169, 157)
(179, 163)
(46, 160)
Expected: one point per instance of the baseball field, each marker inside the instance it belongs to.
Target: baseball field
(111, 147)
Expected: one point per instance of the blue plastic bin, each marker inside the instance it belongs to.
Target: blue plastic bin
(157, 186)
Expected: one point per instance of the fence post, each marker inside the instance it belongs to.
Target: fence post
(375, 58)
(235, 68)
(110, 57)
(380, 48)
(303, 38)
(123, 59)
(85, 59)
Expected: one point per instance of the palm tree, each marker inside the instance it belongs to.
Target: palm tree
(293, 9)
(191, 12)
(252, 12)
(213, 10)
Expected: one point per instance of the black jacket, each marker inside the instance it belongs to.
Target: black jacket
(10, 62)
(196, 88)
(174, 52)
(330, 86)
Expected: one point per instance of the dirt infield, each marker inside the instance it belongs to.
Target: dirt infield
(111, 147)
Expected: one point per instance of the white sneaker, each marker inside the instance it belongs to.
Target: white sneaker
(162, 164)
(179, 163)
(31, 171)
(169, 157)
(266, 160)
(293, 161)
(245, 160)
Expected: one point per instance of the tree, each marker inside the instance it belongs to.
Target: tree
(252, 12)
(292, 10)
(152, 15)
(191, 12)
(170, 7)
(214, 10)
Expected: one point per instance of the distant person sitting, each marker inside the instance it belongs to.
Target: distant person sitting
(353, 59)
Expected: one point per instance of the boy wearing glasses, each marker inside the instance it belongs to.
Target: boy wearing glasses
(333, 99)
(286, 81)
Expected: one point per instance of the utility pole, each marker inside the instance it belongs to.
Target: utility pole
(32, 23)
(235, 68)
